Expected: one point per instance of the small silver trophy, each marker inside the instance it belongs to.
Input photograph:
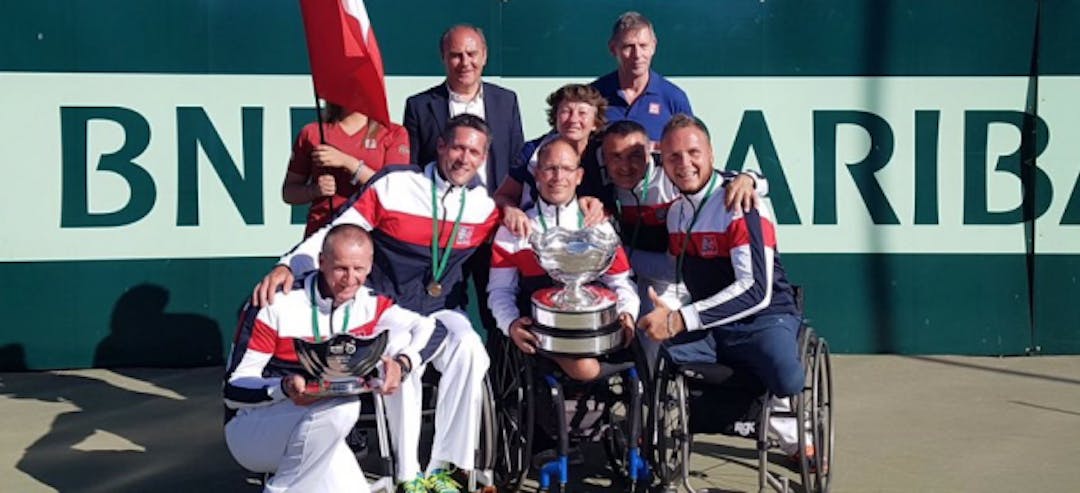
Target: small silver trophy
(342, 364)
(577, 319)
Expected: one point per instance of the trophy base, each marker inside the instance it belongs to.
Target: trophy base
(576, 332)
(338, 388)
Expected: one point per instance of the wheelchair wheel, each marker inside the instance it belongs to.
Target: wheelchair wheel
(669, 427)
(621, 415)
(489, 430)
(815, 406)
(512, 382)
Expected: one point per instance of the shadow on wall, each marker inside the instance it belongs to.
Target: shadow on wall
(143, 334)
(12, 358)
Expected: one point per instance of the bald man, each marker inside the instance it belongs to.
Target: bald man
(275, 424)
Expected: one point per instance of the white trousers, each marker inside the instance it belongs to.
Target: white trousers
(304, 446)
(463, 362)
(786, 430)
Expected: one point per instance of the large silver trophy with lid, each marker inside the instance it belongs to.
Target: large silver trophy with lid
(341, 365)
(577, 318)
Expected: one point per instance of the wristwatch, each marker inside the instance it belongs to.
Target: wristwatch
(405, 364)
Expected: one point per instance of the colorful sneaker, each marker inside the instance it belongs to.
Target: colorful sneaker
(811, 459)
(441, 482)
(417, 485)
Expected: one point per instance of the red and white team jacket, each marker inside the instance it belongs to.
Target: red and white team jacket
(396, 208)
(263, 350)
(516, 274)
(730, 262)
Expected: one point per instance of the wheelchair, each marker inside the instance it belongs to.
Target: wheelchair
(373, 419)
(482, 478)
(531, 395)
(737, 404)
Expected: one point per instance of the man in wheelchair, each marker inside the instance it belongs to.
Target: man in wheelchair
(425, 223)
(516, 274)
(743, 311)
(276, 423)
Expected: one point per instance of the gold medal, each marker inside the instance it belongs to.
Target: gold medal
(434, 289)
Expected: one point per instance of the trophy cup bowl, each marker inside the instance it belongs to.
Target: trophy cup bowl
(341, 364)
(577, 318)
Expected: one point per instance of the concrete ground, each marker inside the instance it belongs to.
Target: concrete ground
(916, 423)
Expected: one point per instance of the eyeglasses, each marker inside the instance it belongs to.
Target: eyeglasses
(552, 170)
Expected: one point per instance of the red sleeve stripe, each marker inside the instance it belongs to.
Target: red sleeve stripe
(621, 264)
(367, 329)
(370, 207)
(738, 234)
(500, 257)
(263, 338)
(526, 263)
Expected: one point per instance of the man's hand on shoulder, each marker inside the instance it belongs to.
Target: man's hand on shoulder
(280, 277)
(740, 193)
(516, 221)
(592, 209)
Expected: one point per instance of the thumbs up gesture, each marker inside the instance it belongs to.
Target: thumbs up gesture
(662, 323)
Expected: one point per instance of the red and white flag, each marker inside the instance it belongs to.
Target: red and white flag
(345, 61)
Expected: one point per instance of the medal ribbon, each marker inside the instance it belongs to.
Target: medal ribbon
(693, 220)
(639, 196)
(439, 263)
(315, 314)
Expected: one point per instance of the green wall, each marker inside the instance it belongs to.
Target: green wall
(172, 310)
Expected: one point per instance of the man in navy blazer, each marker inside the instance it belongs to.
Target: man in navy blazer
(464, 53)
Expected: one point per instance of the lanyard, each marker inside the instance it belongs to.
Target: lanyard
(438, 263)
(543, 223)
(693, 220)
(315, 314)
(639, 197)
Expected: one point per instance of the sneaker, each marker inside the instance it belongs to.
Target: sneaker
(417, 485)
(441, 482)
(811, 460)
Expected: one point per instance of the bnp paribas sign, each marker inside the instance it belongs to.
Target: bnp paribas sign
(183, 166)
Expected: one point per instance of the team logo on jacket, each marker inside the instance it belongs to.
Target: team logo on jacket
(464, 235)
(654, 108)
(709, 246)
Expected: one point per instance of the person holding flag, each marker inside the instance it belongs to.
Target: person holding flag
(333, 157)
(331, 161)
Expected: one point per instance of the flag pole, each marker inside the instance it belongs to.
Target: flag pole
(322, 139)
(318, 113)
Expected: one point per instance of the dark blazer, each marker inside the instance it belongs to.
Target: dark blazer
(427, 112)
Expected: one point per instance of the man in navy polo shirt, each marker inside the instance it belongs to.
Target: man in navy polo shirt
(634, 91)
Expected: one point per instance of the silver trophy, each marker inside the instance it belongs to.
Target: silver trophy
(341, 365)
(577, 318)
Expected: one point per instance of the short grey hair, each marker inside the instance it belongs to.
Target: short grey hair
(445, 38)
(630, 21)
